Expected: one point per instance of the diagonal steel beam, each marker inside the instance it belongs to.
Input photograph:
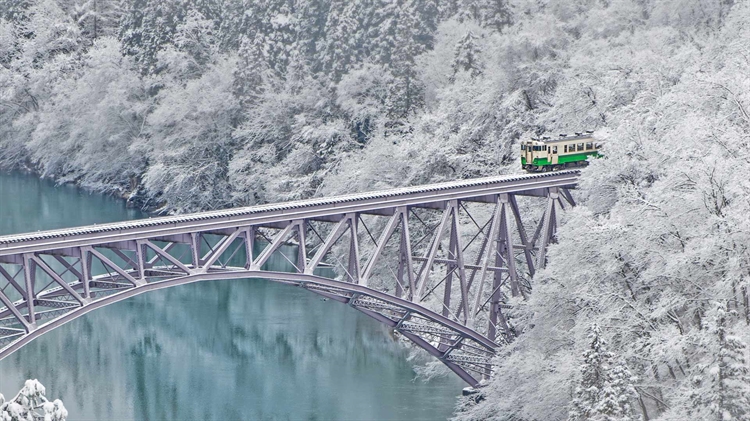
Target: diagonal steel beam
(489, 253)
(70, 267)
(17, 314)
(12, 280)
(331, 239)
(104, 259)
(527, 247)
(163, 253)
(432, 252)
(390, 227)
(568, 197)
(166, 249)
(277, 241)
(48, 270)
(125, 258)
(226, 242)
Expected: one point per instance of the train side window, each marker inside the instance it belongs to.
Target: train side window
(580, 146)
(554, 149)
(565, 148)
(589, 146)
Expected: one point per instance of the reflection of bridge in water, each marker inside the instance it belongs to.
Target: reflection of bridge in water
(436, 262)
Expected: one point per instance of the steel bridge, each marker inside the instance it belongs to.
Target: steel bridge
(437, 263)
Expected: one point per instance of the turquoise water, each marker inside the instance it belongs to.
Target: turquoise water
(219, 350)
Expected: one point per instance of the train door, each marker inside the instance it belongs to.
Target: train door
(553, 155)
(528, 153)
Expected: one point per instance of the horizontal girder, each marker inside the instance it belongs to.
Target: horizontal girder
(303, 209)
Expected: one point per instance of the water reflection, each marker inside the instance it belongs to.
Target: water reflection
(219, 350)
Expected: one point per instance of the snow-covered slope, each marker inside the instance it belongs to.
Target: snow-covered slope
(197, 105)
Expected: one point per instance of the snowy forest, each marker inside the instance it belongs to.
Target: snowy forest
(642, 312)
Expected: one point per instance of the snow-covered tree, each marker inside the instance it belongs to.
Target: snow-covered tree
(189, 139)
(194, 47)
(718, 387)
(98, 18)
(91, 120)
(605, 391)
(31, 404)
(146, 27)
(467, 57)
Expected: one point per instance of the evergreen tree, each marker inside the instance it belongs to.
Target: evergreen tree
(606, 388)
(720, 388)
(98, 18)
(493, 14)
(272, 32)
(395, 45)
(251, 71)
(14, 10)
(146, 27)
(467, 57)
(342, 45)
(311, 26)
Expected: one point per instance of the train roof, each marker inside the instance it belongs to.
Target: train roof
(564, 137)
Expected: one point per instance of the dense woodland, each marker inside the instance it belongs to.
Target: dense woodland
(188, 105)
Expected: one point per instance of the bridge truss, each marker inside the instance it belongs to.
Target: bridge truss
(436, 263)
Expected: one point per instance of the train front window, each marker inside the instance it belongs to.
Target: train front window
(523, 147)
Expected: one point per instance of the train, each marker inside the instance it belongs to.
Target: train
(552, 154)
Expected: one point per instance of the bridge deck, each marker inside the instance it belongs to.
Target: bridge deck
(480, 189)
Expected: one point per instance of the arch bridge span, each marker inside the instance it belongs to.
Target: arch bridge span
(437, 263)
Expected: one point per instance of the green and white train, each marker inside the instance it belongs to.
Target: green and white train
(546, 154)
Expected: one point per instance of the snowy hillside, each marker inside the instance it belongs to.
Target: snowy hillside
(642, 311)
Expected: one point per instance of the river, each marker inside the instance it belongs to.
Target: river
(220, 350)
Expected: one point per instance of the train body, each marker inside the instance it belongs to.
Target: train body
(546, 154)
